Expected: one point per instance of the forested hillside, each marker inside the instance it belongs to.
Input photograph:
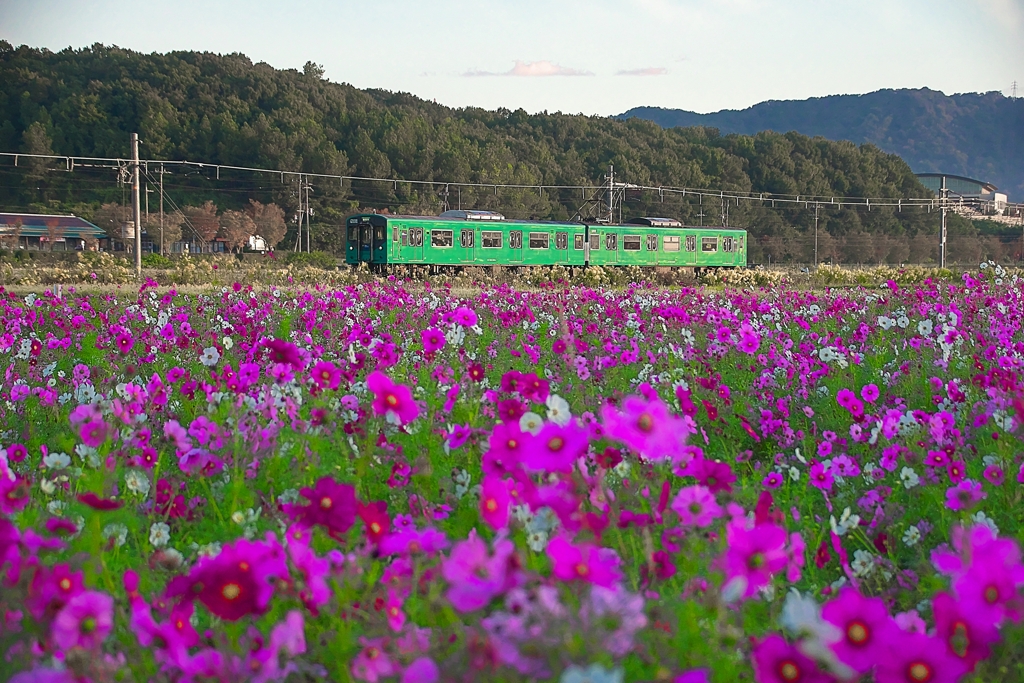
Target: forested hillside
(976, 135)
(223, 109)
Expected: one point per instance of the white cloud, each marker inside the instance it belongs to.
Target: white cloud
(649, 71)
(533, 70)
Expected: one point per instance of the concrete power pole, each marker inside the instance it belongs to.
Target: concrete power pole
(136, 208)
(942, 233)
(815, 235)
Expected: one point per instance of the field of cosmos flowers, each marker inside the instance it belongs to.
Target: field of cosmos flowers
(396, 482)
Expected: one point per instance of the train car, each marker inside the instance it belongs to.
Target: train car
(481, 238)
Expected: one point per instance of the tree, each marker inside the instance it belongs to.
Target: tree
(112, 218)
(236, 228)
(37, 141)
(203, 220)
(173, 221)
(54, 232)
(269, 222)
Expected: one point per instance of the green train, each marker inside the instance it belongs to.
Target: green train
(484, 238)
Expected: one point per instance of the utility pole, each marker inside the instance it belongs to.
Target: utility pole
(136, 208)
(309, 212)
(942, 234)
(161, 209)
(1013, 90)
(815, 236)
(298, 237)
(611, 194)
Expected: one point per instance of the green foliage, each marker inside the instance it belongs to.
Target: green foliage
(316, 259)
(156, 261)
(223, 109)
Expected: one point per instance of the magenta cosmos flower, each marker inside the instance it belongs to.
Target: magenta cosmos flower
(776, 661)
(583, 562)
(696, 506)
(916, 658)
(645, 426)
(476, 577)
(749, 342)
(394, 401)
(555, 448)
(331, 505)
(433, 339)
(494, 501)
(84, 622)
(754, 554)
(326, 375)
(865, 627)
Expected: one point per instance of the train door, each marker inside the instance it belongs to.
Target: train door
(611, 245)
(352, 242)
(515, 245)
(415, 250)
(365, 243)
(467, 240)
(586, 245)
(562, 247)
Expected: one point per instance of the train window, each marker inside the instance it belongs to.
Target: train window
(405, 238)
(631, 242)
(353, 234)
(739, 244)
(490, 240)
(691, 243)
(708, 244)
(595, 241)
(416, 237)
(577, 241)
(726, 244)
(671, 242)
(366, 234)
(561, 240)
(442, 238)
(611, 242)
(515, 239)
(652, 243)
(379, 233)
(539, 240)
(394, 234)
(466, 238)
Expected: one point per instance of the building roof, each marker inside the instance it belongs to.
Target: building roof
(39, 225)
(984, 187)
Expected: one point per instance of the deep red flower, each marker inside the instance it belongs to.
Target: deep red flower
(332, 506)
(96, 503)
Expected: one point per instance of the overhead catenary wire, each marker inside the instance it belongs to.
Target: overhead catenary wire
(71, 162)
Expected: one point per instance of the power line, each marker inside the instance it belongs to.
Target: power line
(764, 198)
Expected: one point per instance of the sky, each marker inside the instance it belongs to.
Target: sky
(575, 56)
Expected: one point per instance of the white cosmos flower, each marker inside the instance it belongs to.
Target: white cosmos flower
(924, 328)
(57, 461)
(159, 534)
(210, 356)
(558, 410)
(912, 535)
(119, 532)
(531, 422)
(228, 343)
(909, 477)
(137, 482)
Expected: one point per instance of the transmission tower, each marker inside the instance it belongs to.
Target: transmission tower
(1013, 90)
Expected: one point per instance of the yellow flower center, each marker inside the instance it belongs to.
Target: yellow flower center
(231, 591)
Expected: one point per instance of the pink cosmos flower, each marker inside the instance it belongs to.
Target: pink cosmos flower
(995, 475)
(464, 316)
(865, 627)
(282, 352)
(433, 339)
(583, 562)
(966, 636)
(393, 611)
(696, 506)
(124, 342)
(412, 541)
(749, 341)
(715, 475)
(821, 476)
(776, 661)
(373, 663)
(753, 555)
(964, 495)
(916, 658)
(392, 400)
(869, 392)
(495, 501)
(237, 581)
(422, 670)
(475, 577)
(85, 621)
(326, 375)
(555, 448)
(331, 505)
(773, 480)
(646, 426)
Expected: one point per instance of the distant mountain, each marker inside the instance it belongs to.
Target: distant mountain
(975, 135)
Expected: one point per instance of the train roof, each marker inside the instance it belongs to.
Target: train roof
(488, 217)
